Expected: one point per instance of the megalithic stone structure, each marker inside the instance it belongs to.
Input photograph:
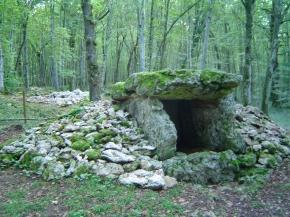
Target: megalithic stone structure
(182, 110)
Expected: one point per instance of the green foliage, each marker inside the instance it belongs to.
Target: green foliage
(93, 154)
(11, 108)
(82, 170)
(81, 145)
(104, 136)
(247, 160)
(13, 84)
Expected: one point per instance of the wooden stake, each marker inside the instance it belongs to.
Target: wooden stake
(24, 105)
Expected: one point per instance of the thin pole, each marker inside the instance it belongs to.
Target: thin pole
(24, 105)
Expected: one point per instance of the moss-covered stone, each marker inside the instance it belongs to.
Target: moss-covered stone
(269, 160)
(104, 136)
(26, 158)
(81, 145)
(77, 136)
(118, 91)
(7, 159)
(93, 154)
(203, 167)
(81, 170)
(247, 160)
(179, 84)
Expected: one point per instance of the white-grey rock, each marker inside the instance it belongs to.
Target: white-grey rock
(55, 127)
(170, 182)
(66, 135)
(148, 163)
(110, 170)
(71, 128)
(144, 179)
(257, 148)
(116, 156)
(112, 145)
(54, 170)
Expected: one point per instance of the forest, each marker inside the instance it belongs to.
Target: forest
(43, 44)
(144, 108)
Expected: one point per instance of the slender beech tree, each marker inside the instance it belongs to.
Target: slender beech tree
(249, 6)
(25, 52)
(95, 77)
(204, 51)
(277, 14)
(1, 68)
(141, 32)
(151, 34)
(107, 37)
(53, 69)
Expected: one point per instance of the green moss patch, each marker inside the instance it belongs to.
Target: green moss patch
(179, 84)
(81, 145)
(247, 160)
(93, 154)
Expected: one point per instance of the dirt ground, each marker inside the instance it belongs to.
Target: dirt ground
(10, 132)
(234, 200)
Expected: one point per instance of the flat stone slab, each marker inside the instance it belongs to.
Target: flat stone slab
(177, 85)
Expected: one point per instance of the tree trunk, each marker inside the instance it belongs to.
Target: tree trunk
(25, 55)
(151, 33)
(206, 37)
(275, 23)
(95, 77)
(1, 68)
(189, 42)
(54, 75)
(107, 41)
(163, 42)
(249, 6)
(141, 32)
(42, 64)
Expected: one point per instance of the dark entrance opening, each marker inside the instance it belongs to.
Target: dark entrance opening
(181, 113)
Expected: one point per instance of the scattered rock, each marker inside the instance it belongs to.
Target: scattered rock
(111, 170)
(65, 98)
(144, 179)
(117, 156)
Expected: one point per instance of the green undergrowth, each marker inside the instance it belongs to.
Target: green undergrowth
(11, 108)
(93, 196)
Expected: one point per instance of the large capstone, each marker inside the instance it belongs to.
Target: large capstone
(183, 110)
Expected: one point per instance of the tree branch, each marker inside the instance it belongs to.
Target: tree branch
(243, 2)
(103, 15)
(180, 16)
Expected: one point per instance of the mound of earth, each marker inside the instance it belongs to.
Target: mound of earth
(65, 98)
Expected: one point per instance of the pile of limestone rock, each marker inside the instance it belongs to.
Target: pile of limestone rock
(95, 139)
(64, 98)
(267, 141)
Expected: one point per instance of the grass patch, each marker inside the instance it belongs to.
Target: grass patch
(11, 108)
(93, 196)
(104, 197)
(19, 205)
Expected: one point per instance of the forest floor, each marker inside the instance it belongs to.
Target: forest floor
(24, 194)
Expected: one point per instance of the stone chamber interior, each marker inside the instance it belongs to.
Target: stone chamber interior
(185, 115)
